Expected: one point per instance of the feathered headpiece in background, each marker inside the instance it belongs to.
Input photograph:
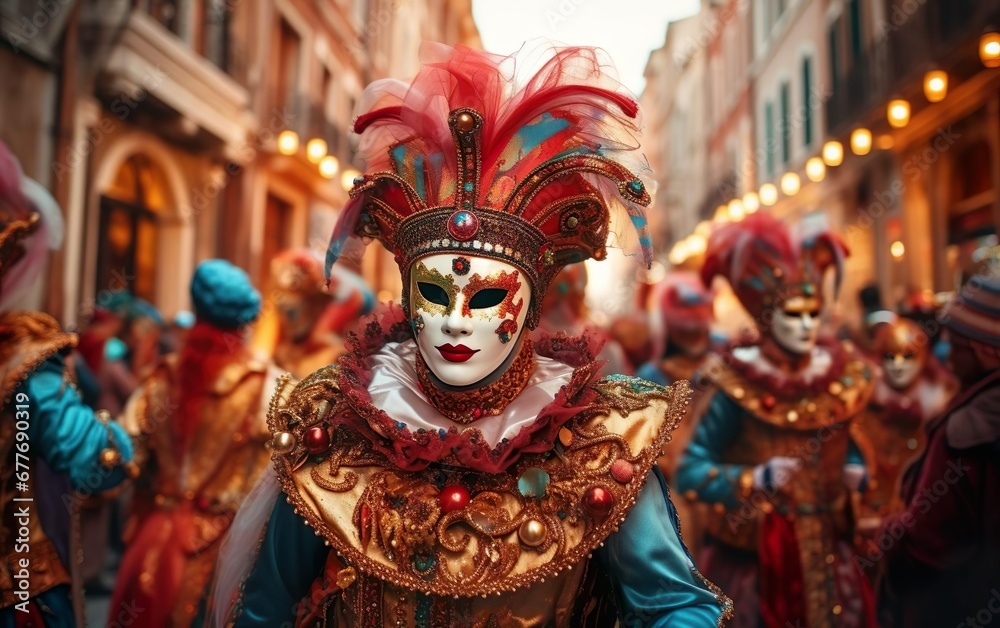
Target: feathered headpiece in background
(767, 264)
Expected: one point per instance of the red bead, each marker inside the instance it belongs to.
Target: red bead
(317, 440)
(598, 501)
(203, 503)
(622, 471)
(463, 225)
(453, 498)
(476, 413)
(769, 402)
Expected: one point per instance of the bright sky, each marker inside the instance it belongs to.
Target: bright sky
(627, 29)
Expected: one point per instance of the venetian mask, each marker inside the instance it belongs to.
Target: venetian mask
(902, 346)
(468, 314)
(795, 325)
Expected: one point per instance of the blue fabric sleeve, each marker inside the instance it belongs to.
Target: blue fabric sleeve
(65, 433)
(654, 577)
(854, 454)
(651, 372)
(291, 558)
(718, 429)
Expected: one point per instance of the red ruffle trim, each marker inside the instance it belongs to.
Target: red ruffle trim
(787, 385)
(463, 444)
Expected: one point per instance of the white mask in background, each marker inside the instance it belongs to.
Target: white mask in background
(901, 369)
(795, 326)
(468, 313)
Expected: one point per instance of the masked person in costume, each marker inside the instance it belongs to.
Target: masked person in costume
(942, 565)
(682, 325)
(41, 414)
(912, 389)
(311, 317)
(772, 454)
(460, 473)
(199, 423)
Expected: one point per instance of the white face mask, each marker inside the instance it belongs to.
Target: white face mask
(900, 369)
(795, 326)
(468, 314)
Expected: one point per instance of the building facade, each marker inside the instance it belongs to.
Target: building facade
(171, 131)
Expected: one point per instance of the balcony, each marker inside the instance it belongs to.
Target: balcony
(149, 59)
(938, 34)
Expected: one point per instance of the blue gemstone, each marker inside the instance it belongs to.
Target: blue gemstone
(467, 186)
(359, 180)
(400, 425)
(442, 432)
(636, 186)
(533, 482)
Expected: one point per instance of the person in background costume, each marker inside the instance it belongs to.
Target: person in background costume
(912, 388)
(199, 423)
(682, 325)
(942, 565)
(772, 454)
(564, 310)
(311, 322)
(41, 415)
(461, 473)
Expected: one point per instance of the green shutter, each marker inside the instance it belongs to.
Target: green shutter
(769, 146)
(807, 132)
(786, 128)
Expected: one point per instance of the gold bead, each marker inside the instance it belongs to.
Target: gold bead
(739, 393)
(465, 122)
(837, 609)
(346, 577)
(283, 442)
(110, 457)
(532, 533)
(572, 222)
(792, 416)
(565, 437)
(811, 407)
(836, 388)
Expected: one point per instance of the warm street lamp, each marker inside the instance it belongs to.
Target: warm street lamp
(898, 113)
(833, 153)
(989, 50)
(328, 166)
(790, 184)
(736, 210)
(936, 85)
(897, 249)
(751, 202)
(861, 141)
(768, 194)
(288, 142)
(347, 179)
(316, 150)
(815, 169)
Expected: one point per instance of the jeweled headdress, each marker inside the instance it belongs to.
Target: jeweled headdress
(766, 263)
(462, 160)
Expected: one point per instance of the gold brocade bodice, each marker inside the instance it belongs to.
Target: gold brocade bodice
(192, 494)
(406, 559)
(26, 340)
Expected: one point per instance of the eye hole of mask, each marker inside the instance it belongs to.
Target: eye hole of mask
(909, 355)
(433, 293)
(487, 297)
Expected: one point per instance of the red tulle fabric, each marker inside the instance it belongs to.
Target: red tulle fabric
(413, 451)
(206, 351)
(762, 258)
(782, 600)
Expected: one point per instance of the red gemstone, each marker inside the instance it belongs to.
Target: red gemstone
(622, 471)
(453, 498)
(203, 504)
(769, 402)
(463, 225)
(317, 440)
(476, 413)
(598, 501)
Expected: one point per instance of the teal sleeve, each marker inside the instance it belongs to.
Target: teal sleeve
(854, 454)
(64, 432)
(291, 557)
(655, 580)
(651, 372)
(718, 429)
